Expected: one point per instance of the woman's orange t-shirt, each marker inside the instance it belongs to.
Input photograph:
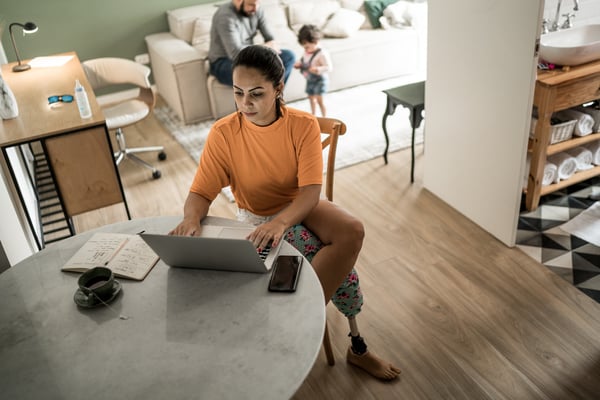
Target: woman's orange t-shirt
(265, 166)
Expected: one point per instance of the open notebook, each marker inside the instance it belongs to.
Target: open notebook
(222, 248)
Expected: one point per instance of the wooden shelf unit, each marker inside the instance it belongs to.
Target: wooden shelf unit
(554, 91)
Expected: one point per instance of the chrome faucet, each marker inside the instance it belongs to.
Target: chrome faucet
(567, 24)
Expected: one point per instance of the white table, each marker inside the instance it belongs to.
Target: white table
(190, 333)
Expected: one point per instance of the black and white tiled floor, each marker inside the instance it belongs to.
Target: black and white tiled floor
(539, 236)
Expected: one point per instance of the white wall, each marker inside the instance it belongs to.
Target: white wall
(480, 180)
(12, 235)
(589, 11)
(480, 80)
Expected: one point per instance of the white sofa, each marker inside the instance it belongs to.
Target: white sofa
(360, 53)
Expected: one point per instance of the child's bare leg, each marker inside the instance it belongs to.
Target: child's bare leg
(321, 105)
(359, 355)
(313, 104)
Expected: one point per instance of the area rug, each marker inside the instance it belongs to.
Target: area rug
(586, 225)
(360, 107)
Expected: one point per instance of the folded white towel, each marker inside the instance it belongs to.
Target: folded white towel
(583, 156)
(594, 113)
(567, 165)
(584, 124)
(550, 173)
(594, 147)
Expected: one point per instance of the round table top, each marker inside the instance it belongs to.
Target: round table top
(179, 333)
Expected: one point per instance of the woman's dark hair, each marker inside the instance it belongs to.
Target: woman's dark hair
(309, 34)
(265, 60)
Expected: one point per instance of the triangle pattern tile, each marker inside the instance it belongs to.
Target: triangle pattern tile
(565, 273)
(555, 213)
(587, 262)
(529, 224)
(523, 235)
(562, 240)
(551, 254)
(589, 248)
(564, 261)
(532, 224)
(540, 237)
(580, 276)
(594, 294)
(534, 252)
(593, 283)
(550, 242)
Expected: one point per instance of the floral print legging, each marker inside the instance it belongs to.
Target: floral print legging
(348, 299)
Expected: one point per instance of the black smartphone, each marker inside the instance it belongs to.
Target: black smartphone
(284, 277)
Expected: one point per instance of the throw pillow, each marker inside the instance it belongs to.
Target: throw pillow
(354, 5)
(396, 14)
(201, 34)
(343, 23)
(315, 13)
(374, 9)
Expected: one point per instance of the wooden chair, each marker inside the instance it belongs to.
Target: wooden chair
(331, 128)
(109, 72)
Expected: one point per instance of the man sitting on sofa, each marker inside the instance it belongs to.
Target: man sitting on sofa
(234, 26)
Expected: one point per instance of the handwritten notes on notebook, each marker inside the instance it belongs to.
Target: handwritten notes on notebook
(128, 256)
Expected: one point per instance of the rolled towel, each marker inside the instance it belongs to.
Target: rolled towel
(583, 156)
(567, 165)
(594, 112)
(584, 124)
(550, 173)
(594, 147)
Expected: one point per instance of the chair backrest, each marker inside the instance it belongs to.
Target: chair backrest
(332, 128)
(109, 71)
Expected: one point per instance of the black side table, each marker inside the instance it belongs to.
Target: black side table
(411, 96)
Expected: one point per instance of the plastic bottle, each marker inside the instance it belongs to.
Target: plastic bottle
(82, 100)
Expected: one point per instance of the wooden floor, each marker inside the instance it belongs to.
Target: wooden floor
(464, 316)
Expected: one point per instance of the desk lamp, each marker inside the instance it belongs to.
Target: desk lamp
(29, 27)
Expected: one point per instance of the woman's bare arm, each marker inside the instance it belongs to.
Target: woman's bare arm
(299, 208)
(194, 210)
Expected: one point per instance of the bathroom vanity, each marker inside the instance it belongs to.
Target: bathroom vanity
(554, 91)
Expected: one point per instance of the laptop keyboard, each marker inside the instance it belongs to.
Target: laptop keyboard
(263, 253)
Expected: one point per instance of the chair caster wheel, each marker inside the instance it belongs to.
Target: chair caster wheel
(162, 156)
(156, 174)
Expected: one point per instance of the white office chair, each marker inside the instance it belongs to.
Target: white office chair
(110, 71)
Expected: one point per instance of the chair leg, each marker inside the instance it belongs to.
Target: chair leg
(129, 153)
(327, 346)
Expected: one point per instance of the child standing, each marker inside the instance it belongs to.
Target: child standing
(315, 65)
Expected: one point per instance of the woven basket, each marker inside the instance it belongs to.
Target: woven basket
(559, 132)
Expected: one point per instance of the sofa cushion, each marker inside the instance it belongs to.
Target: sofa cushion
(343, 23)
(181, 20)
(315, 13)
(201, 34)
(374, 9)
(275, 16)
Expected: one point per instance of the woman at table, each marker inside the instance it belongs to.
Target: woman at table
(271, 156)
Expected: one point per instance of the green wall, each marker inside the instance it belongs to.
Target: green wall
(99, 28)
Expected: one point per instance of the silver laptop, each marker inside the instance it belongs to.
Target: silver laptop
(221, 248)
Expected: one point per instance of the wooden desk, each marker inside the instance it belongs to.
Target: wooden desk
(79, 151)
(412, 97)
(191, 334)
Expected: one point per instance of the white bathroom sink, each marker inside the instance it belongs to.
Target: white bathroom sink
(572, 46)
